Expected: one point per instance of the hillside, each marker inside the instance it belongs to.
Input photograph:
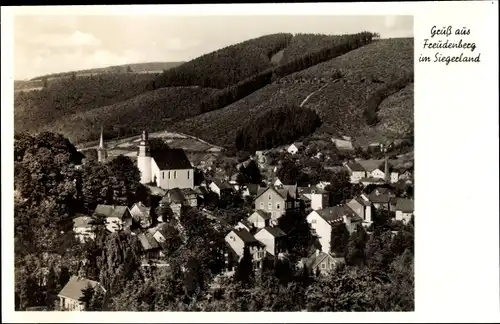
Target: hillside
(306, 43)
(63, 97)
(154, 111)
(150, 67)
(227, 65)
(374, 76)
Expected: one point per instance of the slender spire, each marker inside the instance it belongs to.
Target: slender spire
(101, 141)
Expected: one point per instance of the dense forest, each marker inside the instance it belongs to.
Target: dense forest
(63, 97)
(262, 131)
(225, 66)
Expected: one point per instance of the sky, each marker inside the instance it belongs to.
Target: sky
(50, 44)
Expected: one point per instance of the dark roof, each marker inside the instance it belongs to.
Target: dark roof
(371, 179)
(282, 192)
(356, 167)
(253, 188)
(336, 213)
(111, 211)
(171, 159)
(245, 236)
(148, 242)
(176, 195)
(188, 191)
(73, 289)
(362, 202)
(380, 195)
(222, 185)
(370, 165)
(405, 205)
(275, 231)
(311, 190)
(82, 221)
(262, 213)
(201, 190)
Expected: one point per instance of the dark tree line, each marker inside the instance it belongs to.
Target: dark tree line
(262, 132)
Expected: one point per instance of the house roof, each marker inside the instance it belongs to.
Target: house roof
(73, 289)
(362, 202)
(380, 195)
(372, 180)
(370, 165)
(148, 242)
(222, 185)
(356, 167)
(336, 213)
(201, 190)
(171, 159)
(82, 221)
(283, 193)
(188, 191)
(314, 260)
(262, 213)
(311, 190)
(176, 195)
(297, 144)
(405, 205)
(143, 209)
(274, 231)
(111, 211)
(245, 236)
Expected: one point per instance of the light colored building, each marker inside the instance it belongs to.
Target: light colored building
(236, 241)
(318, 197)
(166, 169)
(343, 144)
(295, 148)
(69, 297)
(117, 217)
(141, 214)
(404, 209)
(356, 171)
(276, 201)
(321, 262)
(273, 238)
(259, 219)
(221, 188)
(322, 220)
(102, 153)
(381, 198)
(83, 228)
(363, 208)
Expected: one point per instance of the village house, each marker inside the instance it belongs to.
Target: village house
(236, 241)
(273, 238)
(404, 209)
(190, 196)
(322, 184)
(321, 262)
(116, 217)
(275, 201)
(246, 225)
(343, 144)
(322, 221)
(259, 219)
(166, 169)
(69, 296)
(160, 233)
(249, 190)
(318, 197)
(141, 215)
(356, 171)
(295, 148)
(221, 188)
(363, 208)
(151, 248)
(381, 198)
(175, 200)
(83, 228)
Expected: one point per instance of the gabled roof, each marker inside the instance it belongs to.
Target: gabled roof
(171, 159)
(336, 213)
(222, 185)
(356, 167)
(314, 260)
(111, 211)
(262, 213)
(201, 190)
(176, 196)
(274, 231)
(384, 195)
(370, 165)
(73, 289)
(283, 193)
(362, 202)
(82, 221)
(245, 236)
(311, 190)
(143, 209)
(297, 144)
(405, 205)
(188, 192)
(148, 242)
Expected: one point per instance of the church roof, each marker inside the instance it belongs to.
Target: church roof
(171, 159)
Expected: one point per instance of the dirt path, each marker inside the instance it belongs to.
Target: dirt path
(309, 96)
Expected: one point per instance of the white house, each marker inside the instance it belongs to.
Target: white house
(363, 208)
(141, 214)
(117, 217)
(295, 148)
(273, 238)
(166, 169)
(404, 209)
(318, 197)
(83, 229)
(73, 291)
(221, 188)
(321, 262)
(322, 221)
(259, 219)
(356, 171)
(343, 144)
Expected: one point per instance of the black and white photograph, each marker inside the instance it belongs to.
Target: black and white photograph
(214, 163)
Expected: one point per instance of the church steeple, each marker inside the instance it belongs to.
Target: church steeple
(102, 153)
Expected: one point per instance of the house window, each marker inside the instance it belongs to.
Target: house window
(169, 174)
(323, 266)
(277, 205)
(175, 174)
(313, 221)
(269, 196)
(270, 205)
(261, 205)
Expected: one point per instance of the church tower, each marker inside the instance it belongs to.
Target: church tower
(144, 158)
(102, 153)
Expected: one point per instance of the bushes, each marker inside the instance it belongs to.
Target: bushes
(262, 132)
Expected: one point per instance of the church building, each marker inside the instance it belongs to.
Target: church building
(166, 169)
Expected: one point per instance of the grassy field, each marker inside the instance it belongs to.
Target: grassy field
(340, 102)
(153, 111)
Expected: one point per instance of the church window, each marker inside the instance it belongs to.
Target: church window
(188, 174)
(169, 174)
(175, 174)
(163, 175)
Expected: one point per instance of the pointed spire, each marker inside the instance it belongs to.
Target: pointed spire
(101, 141)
